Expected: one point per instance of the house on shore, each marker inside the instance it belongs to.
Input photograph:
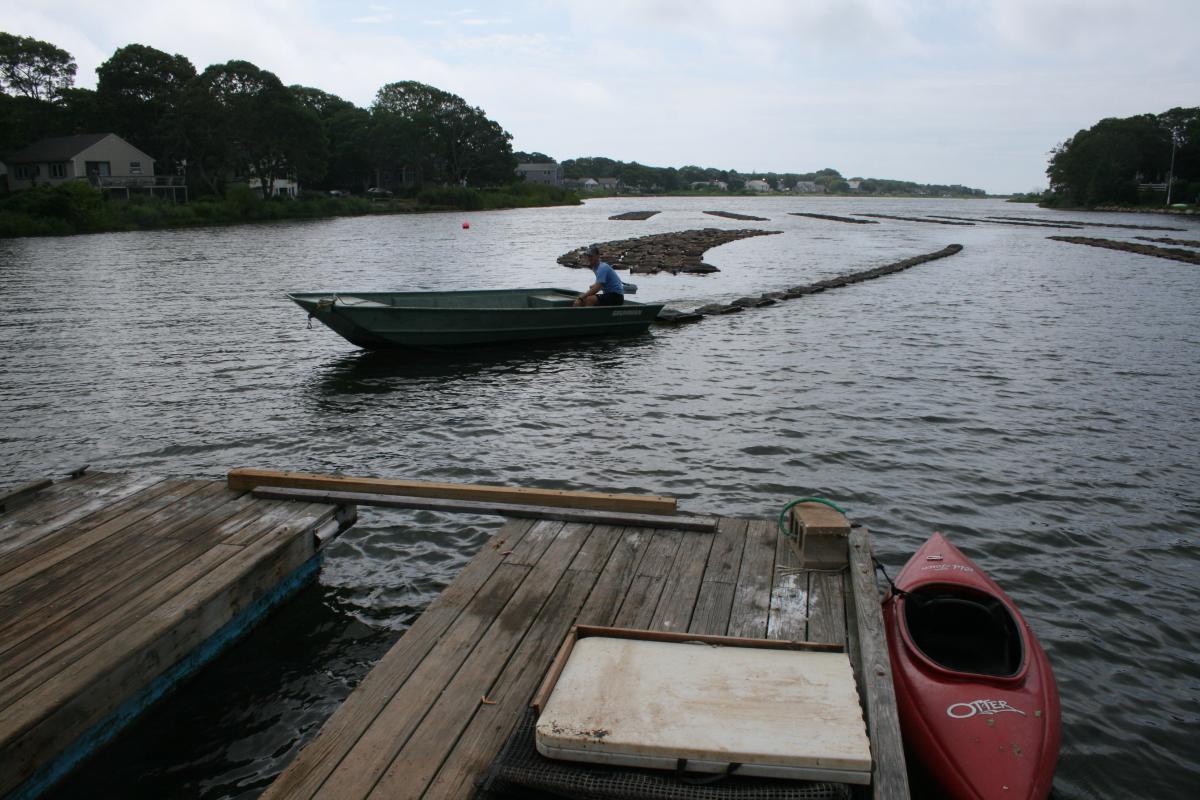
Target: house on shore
(609, 184)
(548, 173)
(758, 185)
(104, 160)
(808, 187)
(283, 187)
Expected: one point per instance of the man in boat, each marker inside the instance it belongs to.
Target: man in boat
(607, 290)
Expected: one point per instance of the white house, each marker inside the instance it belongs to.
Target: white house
(757, 185)
(89, 156)
(104, 160)
(548, 173)
(807, 187)
(284, 187)
(854, 184)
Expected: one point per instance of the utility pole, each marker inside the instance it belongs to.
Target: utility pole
(1171, 171)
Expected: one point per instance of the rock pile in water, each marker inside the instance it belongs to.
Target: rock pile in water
(833, 218)
(742, 217)
(672, 316)
(662, 252)
(1173, 253)
(634, 215)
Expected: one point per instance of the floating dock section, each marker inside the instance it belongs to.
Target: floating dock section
(115, 587)
(431, 717)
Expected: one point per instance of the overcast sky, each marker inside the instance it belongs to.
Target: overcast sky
(975, 92)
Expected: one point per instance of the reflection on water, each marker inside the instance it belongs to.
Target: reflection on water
(1032, 399)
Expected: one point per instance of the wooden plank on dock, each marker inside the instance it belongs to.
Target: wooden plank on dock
(750, 616)
(457, 681)
(714, 604)
(456, 752)
(244, 480)
(789, 594)
(114, 581)
(889, 776)
(305, 776)
(682, 523)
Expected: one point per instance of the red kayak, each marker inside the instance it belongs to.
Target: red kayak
(976, 695)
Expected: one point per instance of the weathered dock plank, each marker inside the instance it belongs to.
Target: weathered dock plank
(752, 595)
(249, 479)
(342, 732)
(889, 772)
(114, 586)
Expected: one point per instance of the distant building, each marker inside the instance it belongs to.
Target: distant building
(548, 173)
(284, 187)
(104, 160)
(808, 187)
(589, 185)
(722, 185)
(757, 185)
(609, 184)
(854, 184)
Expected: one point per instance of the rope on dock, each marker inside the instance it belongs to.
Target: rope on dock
(1172, 253)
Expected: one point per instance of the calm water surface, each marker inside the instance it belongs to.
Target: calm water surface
(1035, 400)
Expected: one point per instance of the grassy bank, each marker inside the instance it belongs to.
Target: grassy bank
(78, 208)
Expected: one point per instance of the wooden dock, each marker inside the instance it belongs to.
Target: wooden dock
(114, 587)
(431, 716)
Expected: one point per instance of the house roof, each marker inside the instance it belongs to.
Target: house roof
(57, 148)
(538, 165)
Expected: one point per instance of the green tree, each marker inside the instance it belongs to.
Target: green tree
(1105, 163)
(139, 89)
(34, 69)
(440, 136)
(236, 118)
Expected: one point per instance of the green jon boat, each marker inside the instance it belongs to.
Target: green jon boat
(437, 320)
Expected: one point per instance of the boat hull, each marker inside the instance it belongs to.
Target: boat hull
(993, 733)
(444, 320)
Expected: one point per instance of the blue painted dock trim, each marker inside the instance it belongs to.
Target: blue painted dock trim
(103, 732)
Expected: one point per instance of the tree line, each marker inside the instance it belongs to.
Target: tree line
(671, 179)
(1129, 161)
(236, 121)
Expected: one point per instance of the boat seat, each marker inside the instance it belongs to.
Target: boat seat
(548, 300)
(967, 633)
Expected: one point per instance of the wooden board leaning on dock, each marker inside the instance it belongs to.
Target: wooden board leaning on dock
(245, 480)
(432, 714)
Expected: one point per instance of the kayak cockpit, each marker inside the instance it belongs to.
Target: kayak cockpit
(961, 630)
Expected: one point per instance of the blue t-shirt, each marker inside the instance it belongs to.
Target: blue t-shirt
(606, 276)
